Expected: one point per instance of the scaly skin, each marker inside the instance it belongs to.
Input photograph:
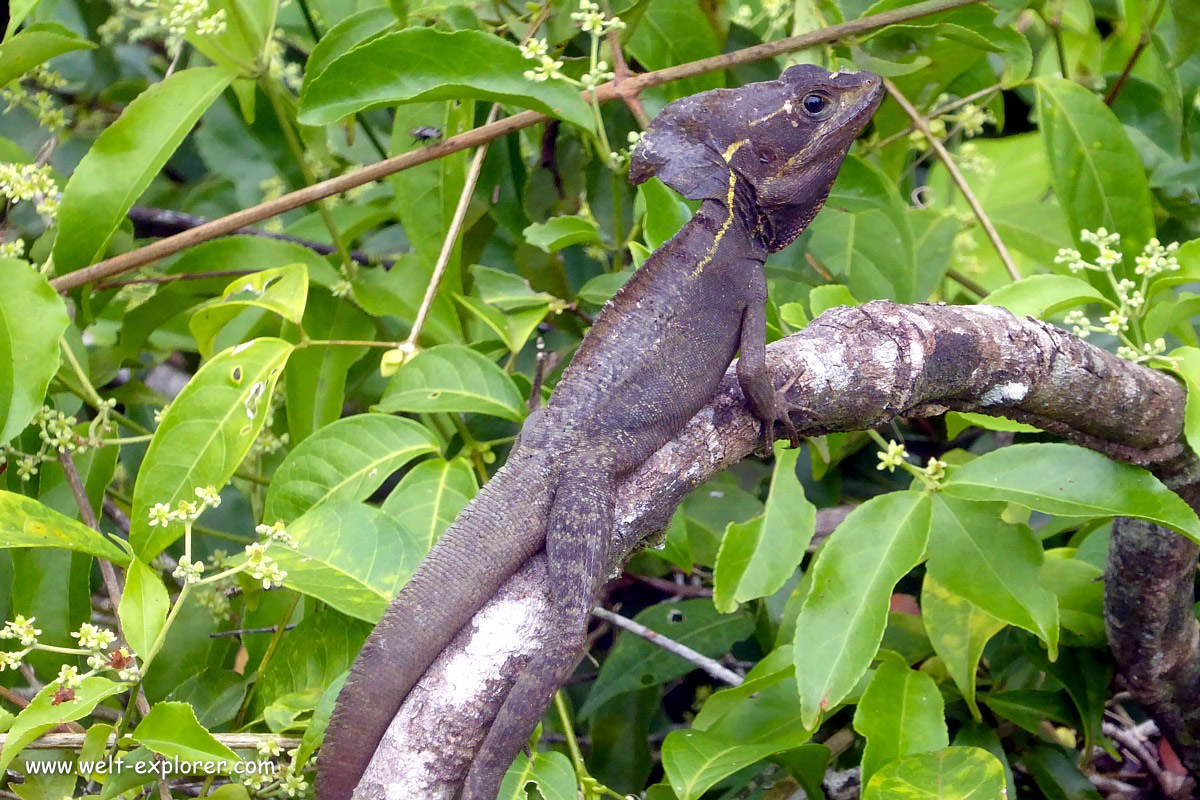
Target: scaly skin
(762, 159)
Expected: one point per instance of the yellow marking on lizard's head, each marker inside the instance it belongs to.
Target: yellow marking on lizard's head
(784, 139)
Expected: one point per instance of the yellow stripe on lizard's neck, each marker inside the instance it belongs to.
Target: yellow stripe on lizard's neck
(712, 250)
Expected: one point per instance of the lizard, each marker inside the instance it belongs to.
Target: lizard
(761, 159)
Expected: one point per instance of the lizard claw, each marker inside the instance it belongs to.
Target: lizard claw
(780, 412)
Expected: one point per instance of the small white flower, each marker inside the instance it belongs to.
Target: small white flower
(69, 677)
(893, 458)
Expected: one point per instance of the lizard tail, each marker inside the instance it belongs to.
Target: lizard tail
(577, 535)
(500, 530)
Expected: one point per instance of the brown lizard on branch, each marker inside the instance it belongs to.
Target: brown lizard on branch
(762, 160)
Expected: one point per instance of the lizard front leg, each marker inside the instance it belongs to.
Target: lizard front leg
(577, 535)
(768, 404)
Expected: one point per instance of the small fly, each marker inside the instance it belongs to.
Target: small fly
(426, 134)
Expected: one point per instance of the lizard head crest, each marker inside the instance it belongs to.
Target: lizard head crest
(782, 141)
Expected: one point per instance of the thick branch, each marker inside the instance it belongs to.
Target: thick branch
(854, 368)
(486, 133)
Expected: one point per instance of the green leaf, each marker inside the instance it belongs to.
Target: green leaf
(315, 379)
(695, 760)
(1069, 481)
(204, 435)
(356, 29)
(214, 694)
(558, 232)
(143, 609)
(34, 45)
(834, 295)
(554, 776)
(958, 630)
(1058, 776)
(1097, 174)
(397, 293)
(172, 730)
(1187, 366)
(900, 713)
(430, 496)
(1042, 295)
(635, 663)
(125, 158)
(765, 709)
(32, 318)
(1030, 708)
(346, 460)
(995, 566)
(956, 773)
(282, 291)
(666, 212)
(959, 421)
(426, 64)
(350, 555)
(24, 522)
(452, 378)
(42, 714)
(18, 10)
(674, 32)
(311, 657)
(757, 557)
(843, 618)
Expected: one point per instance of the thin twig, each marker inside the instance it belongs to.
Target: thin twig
(472, 138)
(1143, 40)
(1133, 744)
(460, 211)
(702, 661)
(456, 223)
(953, 105)
(163, 222)
(984, 221)
(243, 631)
(112, 583)
(234, 741)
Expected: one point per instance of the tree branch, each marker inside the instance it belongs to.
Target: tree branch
(854, 369)
(486, 133)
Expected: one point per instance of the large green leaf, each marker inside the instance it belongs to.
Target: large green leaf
(695, 760)
(635, 663)
(204, 435)
(35, 44)
(842, 621)
(347, 34)
(955, 773)
(143, 608)
(311, 657)
(995, 566)
(32, 318)
(172, 730)
(281, 290)
(43, 713)
(126, 157)
(430, 496)
(426, 64)
(452, 378)
(900, 713)
(558, 232)
(350, 555)
(672, 32)
(958, 631)
(1069, 481)
(757, 557)
(346, 460)
(1097, 174)
(24, 522)
(1042, 295)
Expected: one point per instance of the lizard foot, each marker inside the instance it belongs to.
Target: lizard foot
(780, 411)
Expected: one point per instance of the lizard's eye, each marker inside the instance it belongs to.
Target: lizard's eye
(816, 104)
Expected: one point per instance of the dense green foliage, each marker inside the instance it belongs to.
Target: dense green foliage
(272, 395)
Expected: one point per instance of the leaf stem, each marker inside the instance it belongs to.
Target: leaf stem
(956, 175)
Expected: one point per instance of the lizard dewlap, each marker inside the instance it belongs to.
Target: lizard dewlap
(762, 160)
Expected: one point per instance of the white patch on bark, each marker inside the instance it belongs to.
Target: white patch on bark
(1003, 393)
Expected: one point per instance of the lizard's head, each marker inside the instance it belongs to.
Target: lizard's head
(778, 144)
